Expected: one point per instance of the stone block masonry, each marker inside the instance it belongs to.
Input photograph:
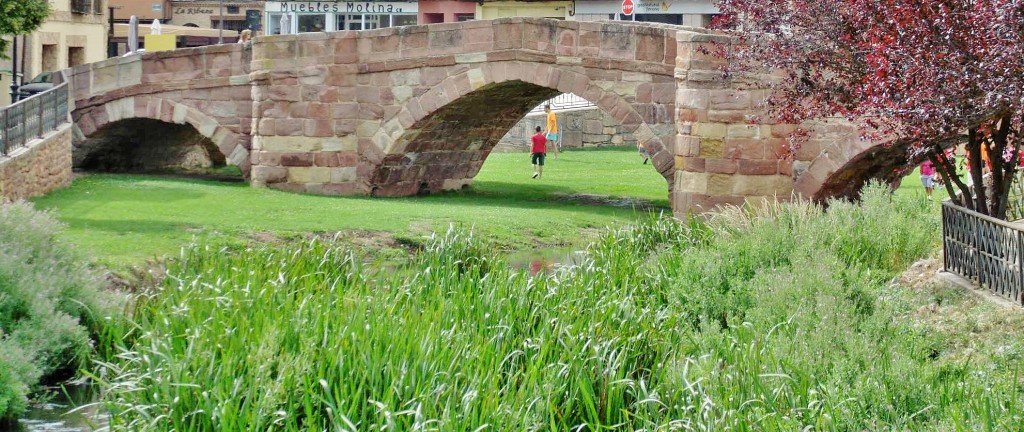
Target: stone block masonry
(409, 110)
(43, 166)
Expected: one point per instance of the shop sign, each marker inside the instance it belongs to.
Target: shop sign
(648, 7)
(192, 11)
(343, 7)
(654, 6)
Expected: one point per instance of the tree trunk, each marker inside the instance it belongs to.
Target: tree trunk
(977, 165)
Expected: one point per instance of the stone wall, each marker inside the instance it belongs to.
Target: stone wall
(580, 128)
(38, 169)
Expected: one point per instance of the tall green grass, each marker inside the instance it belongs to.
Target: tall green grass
(50, 305)
(781, 318)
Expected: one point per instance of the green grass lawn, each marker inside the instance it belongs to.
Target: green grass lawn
(124, 219)
(911, 187)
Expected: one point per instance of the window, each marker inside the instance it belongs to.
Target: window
(402, 20)
(433, 18)
(50, 58)
(660, 18)
(97, 7)
(81, 6)
(460, 17)
(273, 23)
(233, 10)
(311, 23)
(236, 25)
(76, 56)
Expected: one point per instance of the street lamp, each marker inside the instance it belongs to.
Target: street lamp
(220, 34)
(14, 72)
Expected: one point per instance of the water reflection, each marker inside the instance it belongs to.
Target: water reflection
(53, 414)
(546, 260)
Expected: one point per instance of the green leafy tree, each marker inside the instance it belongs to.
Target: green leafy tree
(18, 17)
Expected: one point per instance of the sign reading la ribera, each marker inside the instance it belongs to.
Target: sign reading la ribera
(345, 6)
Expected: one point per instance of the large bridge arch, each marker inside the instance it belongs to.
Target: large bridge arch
(336, 113)
(440, 139)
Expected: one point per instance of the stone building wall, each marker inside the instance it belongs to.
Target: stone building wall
(39, 168)
(582, 128)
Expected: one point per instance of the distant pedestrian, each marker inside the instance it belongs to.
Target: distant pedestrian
(538, 152)
(928, 177)
(245, 37)
(552, 130)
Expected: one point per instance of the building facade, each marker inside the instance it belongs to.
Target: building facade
(489, 10)
(441, 11)
(694, 13)
(145, 10)
(235, 14)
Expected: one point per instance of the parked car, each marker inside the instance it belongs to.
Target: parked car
(39, 84)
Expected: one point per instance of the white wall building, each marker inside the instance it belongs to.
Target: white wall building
(694, 13)
(314, 16)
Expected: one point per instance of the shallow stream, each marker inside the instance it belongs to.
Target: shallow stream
(53, 414)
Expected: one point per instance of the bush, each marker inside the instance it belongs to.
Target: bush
(50, 303)
(774, 319)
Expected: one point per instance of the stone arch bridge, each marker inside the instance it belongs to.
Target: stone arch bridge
(408, 110)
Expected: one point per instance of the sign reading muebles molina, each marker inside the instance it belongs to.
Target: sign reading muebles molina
(373, 7)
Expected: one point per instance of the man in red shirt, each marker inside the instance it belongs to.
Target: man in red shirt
(540, 143)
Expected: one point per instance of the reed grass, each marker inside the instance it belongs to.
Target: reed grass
(778, 318)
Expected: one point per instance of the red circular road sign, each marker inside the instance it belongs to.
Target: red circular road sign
(627, 7)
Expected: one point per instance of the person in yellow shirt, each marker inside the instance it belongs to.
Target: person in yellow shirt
(552, 131)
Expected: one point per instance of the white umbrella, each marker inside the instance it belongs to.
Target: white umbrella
(286, 23)
(133, 34)
(155, 27)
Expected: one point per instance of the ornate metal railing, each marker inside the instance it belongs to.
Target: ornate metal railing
(1015, 198)
(985, 250)
(31, 118)
(563, 101)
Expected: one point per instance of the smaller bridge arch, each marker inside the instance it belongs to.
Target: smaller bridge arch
(97, 118)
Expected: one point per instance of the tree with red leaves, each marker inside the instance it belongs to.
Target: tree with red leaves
(934, 73)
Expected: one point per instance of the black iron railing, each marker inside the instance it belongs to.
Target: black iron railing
(31, 118)
(985, 250)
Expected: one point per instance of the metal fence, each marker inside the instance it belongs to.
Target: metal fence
(985, 250)
(563, 101)
(31, 118)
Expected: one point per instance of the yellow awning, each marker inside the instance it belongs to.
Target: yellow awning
(121, 31)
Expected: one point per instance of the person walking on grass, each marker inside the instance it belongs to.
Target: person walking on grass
(538, 152)
(928, 178)
(552, 131)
